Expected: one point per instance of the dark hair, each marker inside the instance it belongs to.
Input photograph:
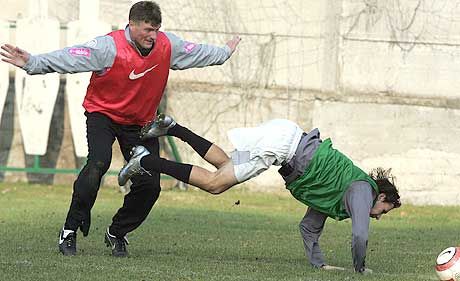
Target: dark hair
(386, 185)
(146, 11)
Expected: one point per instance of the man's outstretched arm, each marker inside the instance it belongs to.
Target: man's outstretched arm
(95, 55)
(186, 54)
(358, 202)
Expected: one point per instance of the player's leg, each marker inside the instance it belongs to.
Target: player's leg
(137, 204)
(311, 228)
(213, 182)
(100, 139)
(216, 156)
(165, 125)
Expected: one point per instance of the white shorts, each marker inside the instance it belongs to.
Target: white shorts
(257, 148)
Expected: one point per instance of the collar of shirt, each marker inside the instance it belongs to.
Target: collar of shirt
(130, 41)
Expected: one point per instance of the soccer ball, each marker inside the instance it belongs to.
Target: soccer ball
(448, 264)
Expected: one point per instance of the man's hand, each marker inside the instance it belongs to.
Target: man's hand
(14, 55)
(331, 267)
(233, 43)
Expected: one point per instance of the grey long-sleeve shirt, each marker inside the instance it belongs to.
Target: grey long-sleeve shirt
(99, 54)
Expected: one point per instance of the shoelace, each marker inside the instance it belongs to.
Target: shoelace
(145, 171)
(146, 128)
(140, 171)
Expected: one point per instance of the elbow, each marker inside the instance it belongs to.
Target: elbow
(302, 228)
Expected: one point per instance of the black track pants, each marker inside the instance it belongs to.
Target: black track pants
(101, 134)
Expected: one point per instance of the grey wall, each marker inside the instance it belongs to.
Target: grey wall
(378, 77)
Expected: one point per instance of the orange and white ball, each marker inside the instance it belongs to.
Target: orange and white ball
(448, 264)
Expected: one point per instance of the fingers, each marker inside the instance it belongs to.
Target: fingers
(8, 48)
(233, 43)
(331, 267)
(236, 39)
(14, 55)
(7, 58)
(6, 55)
(365, 271)
(12, 50)
(13, 61)
(9, 53)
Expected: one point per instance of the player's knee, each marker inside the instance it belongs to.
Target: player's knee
(308, 230)
(98, 166)
(216, 186)
(302, 228)
(95, 170)
(216, 189)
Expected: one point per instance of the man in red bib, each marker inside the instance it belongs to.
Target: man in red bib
(130, 70)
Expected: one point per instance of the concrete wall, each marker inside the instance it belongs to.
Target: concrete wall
(378, 77)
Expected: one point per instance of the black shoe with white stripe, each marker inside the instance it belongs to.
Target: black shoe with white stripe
(117, 244)
(68, 242)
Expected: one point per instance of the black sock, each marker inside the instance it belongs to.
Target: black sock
(198, 143)
(176, 170)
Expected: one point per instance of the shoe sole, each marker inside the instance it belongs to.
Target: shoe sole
(67, 253)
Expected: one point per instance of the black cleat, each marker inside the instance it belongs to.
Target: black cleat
(68, 242)
(118, 245)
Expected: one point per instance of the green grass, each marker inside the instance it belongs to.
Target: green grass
(195, 236)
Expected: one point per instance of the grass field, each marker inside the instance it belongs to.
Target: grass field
(195, 236)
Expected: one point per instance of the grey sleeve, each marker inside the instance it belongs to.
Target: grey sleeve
(186, 54)
(311, 228)
(358, 202)
(95, 55)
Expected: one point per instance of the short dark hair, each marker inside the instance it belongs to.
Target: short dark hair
(386, 184)
(146, 11)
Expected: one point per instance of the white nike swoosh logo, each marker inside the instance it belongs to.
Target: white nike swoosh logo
(134, 76)
(61, 238)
